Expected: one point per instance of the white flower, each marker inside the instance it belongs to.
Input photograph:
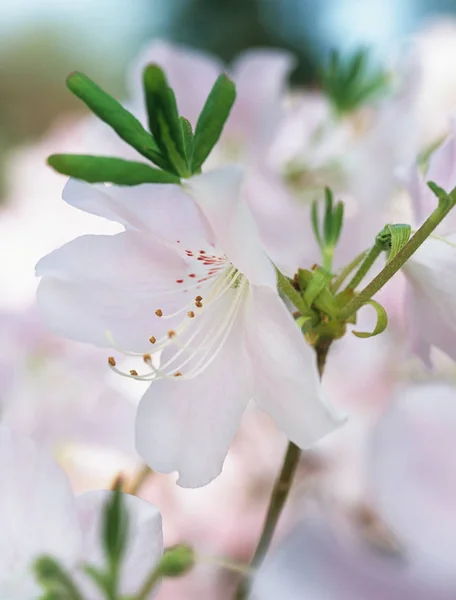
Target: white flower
(189, 273)
(431, 270)
(39, 515)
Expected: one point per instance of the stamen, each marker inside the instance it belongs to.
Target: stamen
(152, 339)
(171, 334)
(199, 304)
(112, 361)
(178, 374)
(190, 314)
(134, 373)
(159, 312)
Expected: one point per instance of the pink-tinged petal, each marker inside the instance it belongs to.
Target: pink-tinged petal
(145, 539)
(431, 271)
(191, 74)
(316, 564)
(96, 284)
(423, 200)
(37, 514)
(219, 196)
(285, 373)
(412, 472)
(162, 211)
(283, 223)
(260, 77)
(187, 425)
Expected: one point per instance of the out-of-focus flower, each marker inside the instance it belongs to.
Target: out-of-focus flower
(39, 515)
(431, 271)
(57, 391)
(412, 475)
(189, 274)
(315, 563)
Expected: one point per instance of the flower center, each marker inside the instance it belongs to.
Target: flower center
(209, 296)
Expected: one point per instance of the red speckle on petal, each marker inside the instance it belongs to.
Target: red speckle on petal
(202, 251)
(179, 281)
(192, 275)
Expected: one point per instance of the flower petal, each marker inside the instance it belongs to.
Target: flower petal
(431, 271)
(260, 77)
(97, 284)
(162, 210)
(286, 380)
(37, 514)
(145, 540)
(413, 482)
(218, 194)
(188, 425)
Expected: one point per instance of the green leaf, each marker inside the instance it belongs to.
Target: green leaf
(337, 222)
(163, 116)
(55, 580)
(115, 527)
(315, 224)
(106, 169)
(382, 321)
(319, 281)
(400, 235)
(116, 116)
(327, 221)
(187, 135)
(317, 290)
(212, 120)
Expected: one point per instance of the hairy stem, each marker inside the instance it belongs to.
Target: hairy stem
(281, 488)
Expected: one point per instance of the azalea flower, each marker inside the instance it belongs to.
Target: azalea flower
(431, 271)
(320, 564)
(187, 278)
(41, 516)
(412, 476)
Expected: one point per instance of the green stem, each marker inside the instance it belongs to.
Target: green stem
(227, 564)
(393, 266)
(346, 271)
(281, 489)
(367, 263)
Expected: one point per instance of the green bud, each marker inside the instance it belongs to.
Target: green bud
(176, 561)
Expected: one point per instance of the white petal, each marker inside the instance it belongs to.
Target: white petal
(287, 385)
(218, 194)
(37, 514)
(145, 540)
(432, 274)
(96, 284)
(162, 211)
(260, 77)
(412, 473)
(188, 425)
(315, 564)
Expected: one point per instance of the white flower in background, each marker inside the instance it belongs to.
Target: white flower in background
(431, 271)
(188, 274)
(316, 564)
(39, 514)
(56, 391)
(413, 477)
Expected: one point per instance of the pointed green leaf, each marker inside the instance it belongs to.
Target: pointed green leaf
(115, 525)
(163, 116)
(116, 116)
(315, 224)
(337, 222)
(212, 120)
(104, 169)
(187, 135)
(327, 221)
(382, 321)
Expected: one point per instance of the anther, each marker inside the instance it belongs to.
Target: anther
(190, 314)
(134, 373)
(198, 298)
(178, 374)
(112, 361)
(159, 312)
(147, 358)
(198, 304)
(171, 333)
(152, 339)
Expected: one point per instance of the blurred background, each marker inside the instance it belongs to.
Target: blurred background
(41, 41)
